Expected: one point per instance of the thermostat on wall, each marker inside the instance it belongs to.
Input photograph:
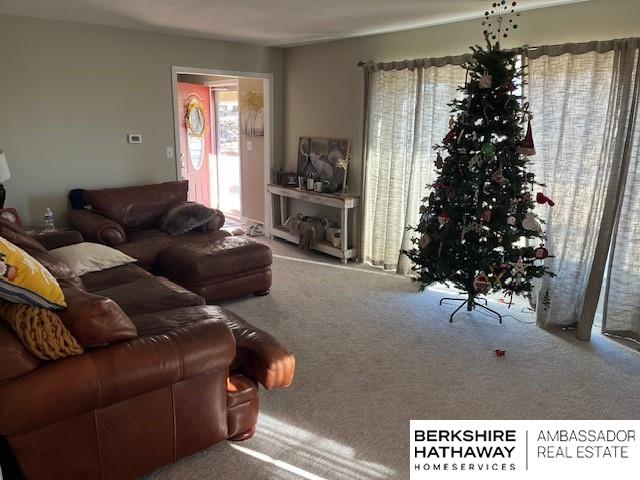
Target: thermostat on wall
(134, 138)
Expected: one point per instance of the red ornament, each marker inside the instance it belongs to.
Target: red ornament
(451, 136)
(527, 146)
(541, 253)
(542, 199)
(443, 218)
(481, 283)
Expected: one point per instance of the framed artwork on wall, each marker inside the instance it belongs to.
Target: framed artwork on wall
(325, 160)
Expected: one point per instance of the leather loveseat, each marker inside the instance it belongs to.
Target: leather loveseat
(162, 376)
(209, 261)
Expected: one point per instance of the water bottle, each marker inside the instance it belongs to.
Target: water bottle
(49, 226)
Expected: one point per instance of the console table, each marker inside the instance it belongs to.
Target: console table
(347, 204)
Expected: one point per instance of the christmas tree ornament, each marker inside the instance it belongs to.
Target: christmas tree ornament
(452, 122)
(499, 177)
(530, 223)
(526, 198)
(451, 136)
(541, 253)
(439, 161)
(482, 284)
(443, 218)
(486, 215)
(511, 220)
(518, 266)
(425, 240)
(541, 198)
(485, 80)
(531, 177)
(489, 151)
(527, 146)
(475, 162)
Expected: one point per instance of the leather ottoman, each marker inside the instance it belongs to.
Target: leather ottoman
(220, 269)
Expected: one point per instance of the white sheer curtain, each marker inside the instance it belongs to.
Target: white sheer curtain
(586, 98)
(407, 115)
(568, 95)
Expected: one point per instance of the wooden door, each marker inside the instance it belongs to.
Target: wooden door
(195, 147)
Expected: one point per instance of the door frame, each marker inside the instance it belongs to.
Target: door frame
(268, 125)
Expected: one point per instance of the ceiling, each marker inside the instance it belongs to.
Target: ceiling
(262, 22)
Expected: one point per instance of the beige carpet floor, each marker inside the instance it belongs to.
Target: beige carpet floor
(373, 354)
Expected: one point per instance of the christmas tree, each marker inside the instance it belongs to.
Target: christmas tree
(477, 228)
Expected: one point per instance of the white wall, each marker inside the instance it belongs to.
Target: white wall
(69, 94)
(324, 85)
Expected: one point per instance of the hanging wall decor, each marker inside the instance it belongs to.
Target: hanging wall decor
(253, 113)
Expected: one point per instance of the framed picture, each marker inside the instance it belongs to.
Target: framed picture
(324, 159)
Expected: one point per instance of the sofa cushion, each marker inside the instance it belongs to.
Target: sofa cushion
(15, 360)
(25, 280)
(185, 217)
(137, 207)
(148, 295)
(95, 320)
(87, 257)
(197, 263)
(146, 245)
(114, 276)
(40, 330)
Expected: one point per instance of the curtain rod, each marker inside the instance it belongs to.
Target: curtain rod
(600, 46)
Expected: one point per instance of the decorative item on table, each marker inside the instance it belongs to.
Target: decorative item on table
(253, 113)
(49, 221)
(310, 183)
(317, 187)
(308, 229)
(324, 159)
(5, 175)
(11, 214)
(287, 179)
(332, 233)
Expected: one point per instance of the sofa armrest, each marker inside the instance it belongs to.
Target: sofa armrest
(216, 223)
(102, 377)
(59, 238)
(97, 228)
(261, 356)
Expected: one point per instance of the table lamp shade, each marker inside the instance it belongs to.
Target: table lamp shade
(5, 174)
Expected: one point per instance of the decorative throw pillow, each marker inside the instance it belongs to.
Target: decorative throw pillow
(186, 217)
(24, 280)
(40, 330)
(89, 257)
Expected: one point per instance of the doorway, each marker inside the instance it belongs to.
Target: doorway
(223, 139)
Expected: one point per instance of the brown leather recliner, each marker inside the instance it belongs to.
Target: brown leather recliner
(162, 375)
(127, 219)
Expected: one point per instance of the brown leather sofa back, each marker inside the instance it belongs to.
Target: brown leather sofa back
(137, 207)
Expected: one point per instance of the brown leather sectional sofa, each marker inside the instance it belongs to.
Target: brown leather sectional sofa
(209, 261)
(163, 375)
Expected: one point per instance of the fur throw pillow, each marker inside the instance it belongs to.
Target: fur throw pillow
(186, 217)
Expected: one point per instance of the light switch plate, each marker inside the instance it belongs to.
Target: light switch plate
(134, 138)
(170, 153)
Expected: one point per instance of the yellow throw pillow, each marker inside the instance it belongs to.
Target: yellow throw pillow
(25, 280)
(40, 330)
